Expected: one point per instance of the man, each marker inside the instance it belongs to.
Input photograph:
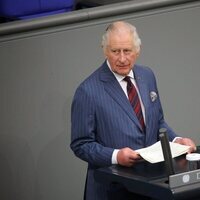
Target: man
(106, 129)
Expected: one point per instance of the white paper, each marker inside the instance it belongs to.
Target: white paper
(154, 154)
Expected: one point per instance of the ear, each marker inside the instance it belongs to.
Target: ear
(104, 51)
(138, 53)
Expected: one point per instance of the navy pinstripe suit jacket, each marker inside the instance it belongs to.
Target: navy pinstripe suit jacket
(103, 120)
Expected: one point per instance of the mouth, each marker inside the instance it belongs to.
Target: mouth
(123, 66)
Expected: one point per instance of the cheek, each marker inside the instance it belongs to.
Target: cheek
(133, 58)
(113, 65)
(112, 60)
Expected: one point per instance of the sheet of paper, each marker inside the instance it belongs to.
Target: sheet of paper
(154, 154)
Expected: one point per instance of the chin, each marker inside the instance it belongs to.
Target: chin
(123, 72)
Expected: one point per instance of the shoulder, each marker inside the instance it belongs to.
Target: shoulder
(143, 70)
(91, 83)
(93, 78)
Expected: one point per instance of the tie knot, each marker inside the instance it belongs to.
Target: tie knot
(128, 80)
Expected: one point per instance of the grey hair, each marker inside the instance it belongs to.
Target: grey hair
(113, 27)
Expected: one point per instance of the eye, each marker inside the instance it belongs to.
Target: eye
(115, 51)
(127, 51)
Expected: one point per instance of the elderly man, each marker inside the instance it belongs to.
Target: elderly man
(117, 110)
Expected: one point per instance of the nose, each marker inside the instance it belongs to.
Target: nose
(122, 57)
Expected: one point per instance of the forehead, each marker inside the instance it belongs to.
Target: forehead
(120, 40)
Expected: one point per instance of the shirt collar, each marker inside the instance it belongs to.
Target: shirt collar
(120, 77)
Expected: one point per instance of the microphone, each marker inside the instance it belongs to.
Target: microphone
(166, 151)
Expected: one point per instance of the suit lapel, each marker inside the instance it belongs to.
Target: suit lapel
(142, 87)
(114, 89)
(144, 92)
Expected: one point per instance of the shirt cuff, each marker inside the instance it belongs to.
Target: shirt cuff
(114, 156)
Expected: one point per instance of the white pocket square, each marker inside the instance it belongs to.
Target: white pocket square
(153, 96)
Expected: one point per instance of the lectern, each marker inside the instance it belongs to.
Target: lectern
(151, 179)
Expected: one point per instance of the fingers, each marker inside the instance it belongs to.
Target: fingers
(127, 157)
(192, 148)
(188, 142)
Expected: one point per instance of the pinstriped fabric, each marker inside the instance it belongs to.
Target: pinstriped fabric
(102, 120)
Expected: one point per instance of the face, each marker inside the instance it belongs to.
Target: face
(121, 53)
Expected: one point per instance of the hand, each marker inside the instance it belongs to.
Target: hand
(188, 142)
(127, 157)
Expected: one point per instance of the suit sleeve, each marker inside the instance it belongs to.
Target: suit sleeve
(84, 133)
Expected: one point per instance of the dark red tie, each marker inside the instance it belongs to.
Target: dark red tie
(135, 101)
